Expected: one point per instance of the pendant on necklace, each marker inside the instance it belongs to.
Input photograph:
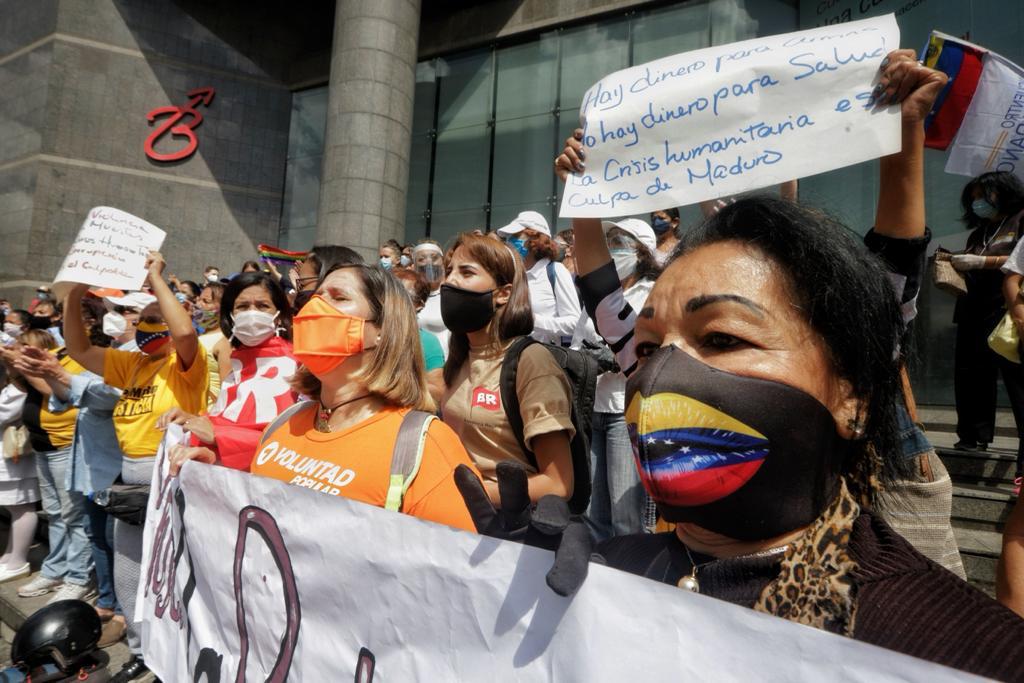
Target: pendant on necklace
(690, 582)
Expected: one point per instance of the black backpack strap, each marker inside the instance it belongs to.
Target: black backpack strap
(283, 417)
(509, 395)
(407, 456)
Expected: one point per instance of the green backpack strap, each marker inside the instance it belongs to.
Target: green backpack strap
(407, 455)
(284, 417)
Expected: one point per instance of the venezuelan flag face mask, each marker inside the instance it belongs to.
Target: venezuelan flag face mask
(152, 337)
(323, 337)
(744, 457)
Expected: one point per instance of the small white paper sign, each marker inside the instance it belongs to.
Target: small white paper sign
(728, 119)
(110, 251)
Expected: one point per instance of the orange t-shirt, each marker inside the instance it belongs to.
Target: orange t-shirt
(356, 463)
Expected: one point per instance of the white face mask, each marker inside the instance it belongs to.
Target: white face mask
(114, 324)
(625, 262)
(12, 329)
(213, 277)
(252, 328)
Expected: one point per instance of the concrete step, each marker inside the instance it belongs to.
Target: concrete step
(979, 551)
(14, 609)
(981, 507)
(992, 467)
(943, 419)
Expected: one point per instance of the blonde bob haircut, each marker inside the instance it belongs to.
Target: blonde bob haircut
(394, 370)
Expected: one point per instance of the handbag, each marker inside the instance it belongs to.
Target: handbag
(126, 502)
(16, 443)
(1005, 339)
(944, 276)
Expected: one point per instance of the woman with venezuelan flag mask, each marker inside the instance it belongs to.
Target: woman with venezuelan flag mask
(169, 370)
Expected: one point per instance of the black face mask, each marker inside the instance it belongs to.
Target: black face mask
(40, 322)
(463, 310)
(747, 458)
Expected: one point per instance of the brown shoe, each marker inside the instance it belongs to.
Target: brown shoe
(105, 614)
(113, 631)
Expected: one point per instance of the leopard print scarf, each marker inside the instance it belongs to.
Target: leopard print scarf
(815, 584)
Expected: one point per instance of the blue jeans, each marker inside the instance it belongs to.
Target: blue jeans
(617, 499)
(70, 556)
(101, 537)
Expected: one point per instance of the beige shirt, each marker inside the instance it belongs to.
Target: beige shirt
(472, 405)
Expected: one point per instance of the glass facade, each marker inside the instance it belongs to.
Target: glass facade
(303, 168)
(488, 123)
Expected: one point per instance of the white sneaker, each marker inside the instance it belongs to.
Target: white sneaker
(72, 591)
(38, 586)
(11, 573)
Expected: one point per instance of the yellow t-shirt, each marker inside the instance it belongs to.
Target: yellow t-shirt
(208, 341)
(60, 427)
(152, 386)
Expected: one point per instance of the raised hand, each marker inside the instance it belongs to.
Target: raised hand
(571, 159)
(155, 266)
(904, 80)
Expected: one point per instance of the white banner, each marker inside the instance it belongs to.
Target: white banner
(727, 119)
(250, 579)
(109, 251)
(991, 137)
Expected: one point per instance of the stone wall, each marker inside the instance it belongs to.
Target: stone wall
(78, 83)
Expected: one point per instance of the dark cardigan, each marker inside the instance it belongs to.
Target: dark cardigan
(905, 602)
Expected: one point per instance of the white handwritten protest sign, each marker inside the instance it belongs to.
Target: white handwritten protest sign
(728, 119)
(247, 578)
(110, 251)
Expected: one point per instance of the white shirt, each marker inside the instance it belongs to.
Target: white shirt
(611, 386)
(555, 311)
(429, 319)
(1015, 261)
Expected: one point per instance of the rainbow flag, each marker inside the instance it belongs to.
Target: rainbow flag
(963, 63)
(279, 256)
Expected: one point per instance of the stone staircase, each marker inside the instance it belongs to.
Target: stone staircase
(982, 490)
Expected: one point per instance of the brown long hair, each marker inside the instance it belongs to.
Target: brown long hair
(395, 370)
(514, 319)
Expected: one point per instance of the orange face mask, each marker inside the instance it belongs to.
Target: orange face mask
(323, 336)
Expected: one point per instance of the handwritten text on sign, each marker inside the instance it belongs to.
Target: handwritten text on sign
(110, 251)
(728, 119)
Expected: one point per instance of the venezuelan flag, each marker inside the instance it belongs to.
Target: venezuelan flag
(693, 453)
(281, 257)
(962, 62)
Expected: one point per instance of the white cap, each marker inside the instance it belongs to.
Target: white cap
(136, 300)
(635, 227)
(526, 220)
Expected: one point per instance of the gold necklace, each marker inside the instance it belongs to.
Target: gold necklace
(690, 582)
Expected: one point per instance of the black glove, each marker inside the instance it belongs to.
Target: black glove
(602, 353)
(547, 524)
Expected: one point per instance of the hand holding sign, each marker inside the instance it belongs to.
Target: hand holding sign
(732, 118)
(110, 251)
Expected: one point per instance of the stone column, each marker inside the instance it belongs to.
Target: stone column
(369, 124)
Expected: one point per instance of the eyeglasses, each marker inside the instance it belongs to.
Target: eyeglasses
(621, 240)
(300, 282)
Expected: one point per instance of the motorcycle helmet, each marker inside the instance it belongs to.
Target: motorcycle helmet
(63, 632)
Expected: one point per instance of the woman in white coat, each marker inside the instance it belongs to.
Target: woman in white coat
(19, 484)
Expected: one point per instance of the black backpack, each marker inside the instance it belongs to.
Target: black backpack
(581, 371)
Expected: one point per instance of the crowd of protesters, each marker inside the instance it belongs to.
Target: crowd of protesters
(764, 339)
